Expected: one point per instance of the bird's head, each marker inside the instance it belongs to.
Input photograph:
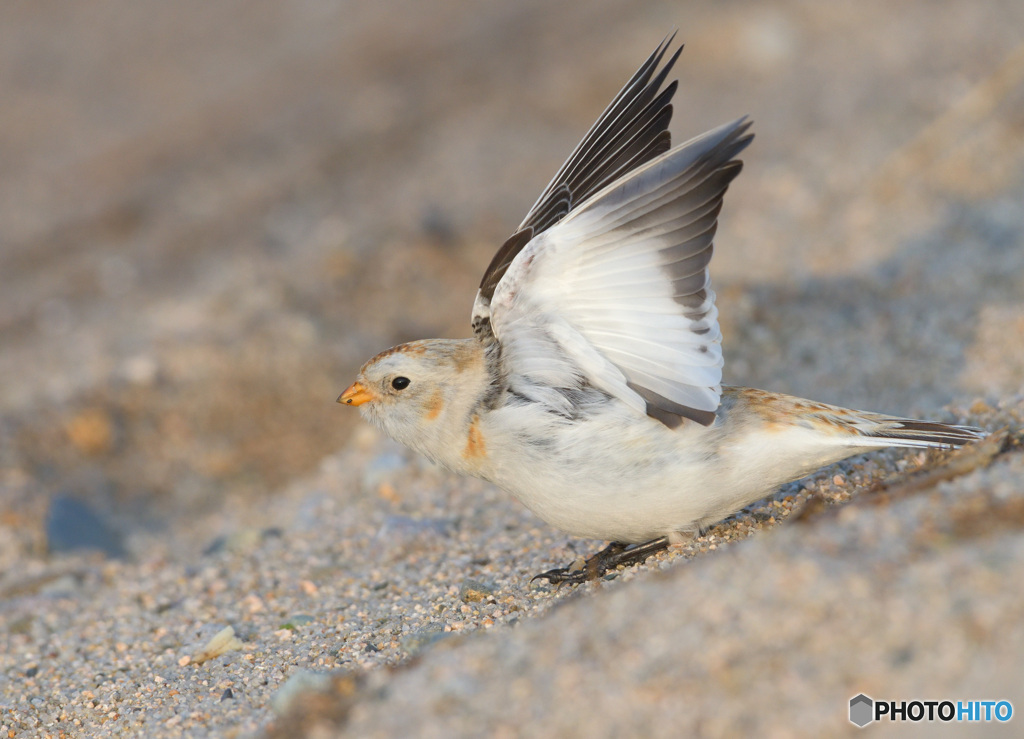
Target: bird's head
(420, 393)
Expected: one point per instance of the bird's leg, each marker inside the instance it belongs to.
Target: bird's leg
(614, 555)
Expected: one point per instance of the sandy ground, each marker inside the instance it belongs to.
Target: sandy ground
(210, 216)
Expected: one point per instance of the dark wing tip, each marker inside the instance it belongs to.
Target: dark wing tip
(631, 131)
(669, 412)
(502, 259)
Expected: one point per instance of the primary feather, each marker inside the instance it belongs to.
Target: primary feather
(620, 287)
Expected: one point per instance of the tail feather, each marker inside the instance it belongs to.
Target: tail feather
(846, 428)
(922, 434)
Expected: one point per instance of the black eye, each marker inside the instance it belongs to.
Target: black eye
(400, 383)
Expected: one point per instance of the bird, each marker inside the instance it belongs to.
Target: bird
(591, 387)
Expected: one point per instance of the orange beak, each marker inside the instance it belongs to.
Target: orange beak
(356, 394)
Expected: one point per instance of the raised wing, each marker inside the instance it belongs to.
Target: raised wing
(631, 131)
(616, 295)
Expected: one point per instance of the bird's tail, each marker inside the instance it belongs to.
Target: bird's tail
(847, 428)
(921, 434)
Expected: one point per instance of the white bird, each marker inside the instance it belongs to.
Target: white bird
(591, 389)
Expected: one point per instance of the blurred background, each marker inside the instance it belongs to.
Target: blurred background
(212, 214)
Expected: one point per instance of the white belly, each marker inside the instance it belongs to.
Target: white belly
(626, 478)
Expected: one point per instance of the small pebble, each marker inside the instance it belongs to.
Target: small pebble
(473, 591)
(223, 641)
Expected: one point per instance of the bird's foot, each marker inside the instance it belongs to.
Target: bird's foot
(614, 555)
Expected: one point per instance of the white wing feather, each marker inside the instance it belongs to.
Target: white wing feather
(616, 294)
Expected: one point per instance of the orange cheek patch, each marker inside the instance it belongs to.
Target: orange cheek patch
(475, 446)
(434, 406)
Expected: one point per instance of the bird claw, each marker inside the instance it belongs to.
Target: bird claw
(597, 565)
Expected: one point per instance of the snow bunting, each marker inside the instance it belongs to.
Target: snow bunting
(591, 389)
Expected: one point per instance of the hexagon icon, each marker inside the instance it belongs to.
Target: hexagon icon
(862, 710)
